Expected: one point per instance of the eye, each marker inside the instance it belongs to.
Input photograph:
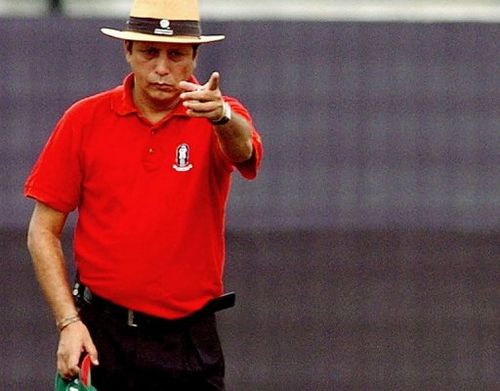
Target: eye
(149, 52)
(175, 54)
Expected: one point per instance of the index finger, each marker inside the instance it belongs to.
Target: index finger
(213, 82)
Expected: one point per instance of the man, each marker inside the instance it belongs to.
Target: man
(148, 167)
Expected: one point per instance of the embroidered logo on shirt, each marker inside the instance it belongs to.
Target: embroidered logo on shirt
(182, 159)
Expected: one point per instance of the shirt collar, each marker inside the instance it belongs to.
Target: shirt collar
(123, 103)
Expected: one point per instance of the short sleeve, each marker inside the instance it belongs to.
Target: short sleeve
(56, 177)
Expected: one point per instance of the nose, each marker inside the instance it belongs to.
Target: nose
(162, 66)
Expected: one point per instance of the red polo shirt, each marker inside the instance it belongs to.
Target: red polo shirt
(151, 200)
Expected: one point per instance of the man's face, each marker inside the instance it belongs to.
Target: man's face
(158, 68)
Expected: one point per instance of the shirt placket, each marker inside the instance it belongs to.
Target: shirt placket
(153, 155)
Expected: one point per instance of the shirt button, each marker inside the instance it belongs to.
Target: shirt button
(151, 150)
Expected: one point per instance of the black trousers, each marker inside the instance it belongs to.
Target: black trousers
(183, 355)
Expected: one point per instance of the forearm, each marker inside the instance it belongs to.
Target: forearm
(235, 139)
(50, 269)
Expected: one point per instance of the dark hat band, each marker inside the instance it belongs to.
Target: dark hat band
(164, 27)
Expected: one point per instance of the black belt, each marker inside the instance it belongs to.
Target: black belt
(136, 318)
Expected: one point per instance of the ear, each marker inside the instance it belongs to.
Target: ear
(127, 48)
(196, 51)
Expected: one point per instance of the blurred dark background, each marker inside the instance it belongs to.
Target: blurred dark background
(365, 255)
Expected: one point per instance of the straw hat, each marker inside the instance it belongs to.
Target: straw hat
(176, 21)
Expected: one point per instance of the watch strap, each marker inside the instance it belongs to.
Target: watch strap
(226, 115)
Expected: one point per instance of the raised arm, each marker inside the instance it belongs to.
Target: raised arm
(235, 136)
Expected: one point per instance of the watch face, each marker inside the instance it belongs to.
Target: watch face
(222, 121)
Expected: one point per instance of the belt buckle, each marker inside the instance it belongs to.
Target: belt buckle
(130, 319)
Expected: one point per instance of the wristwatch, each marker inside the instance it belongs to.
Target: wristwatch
(226, 115)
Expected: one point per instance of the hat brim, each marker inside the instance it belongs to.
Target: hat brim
(135, 36)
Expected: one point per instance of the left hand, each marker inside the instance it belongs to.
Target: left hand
(203, 101)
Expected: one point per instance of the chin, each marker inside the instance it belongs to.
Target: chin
(163, 95)
(163, 99)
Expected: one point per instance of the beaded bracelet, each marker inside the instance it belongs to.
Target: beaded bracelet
(62, 324)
